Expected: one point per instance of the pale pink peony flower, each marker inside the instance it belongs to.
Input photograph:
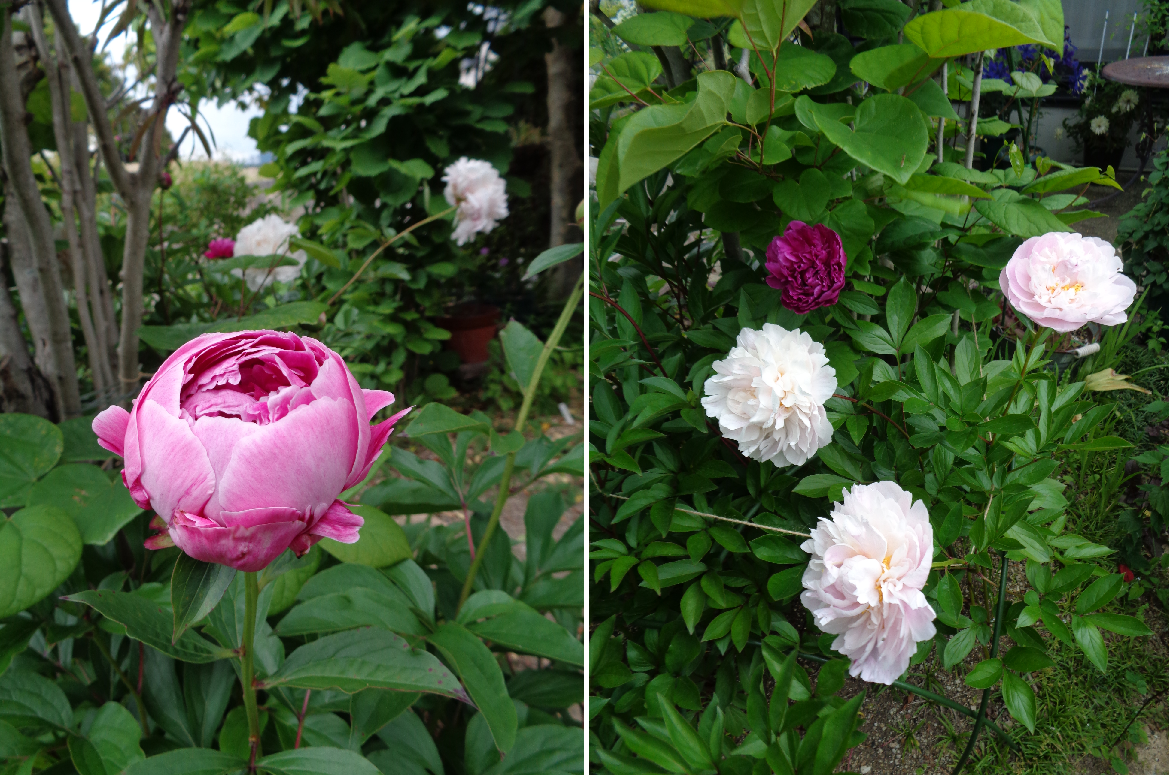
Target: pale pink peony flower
(768, 394)
(480, 193)
(863, 583)
(266, 237)
(1063, 281)
(243, 442)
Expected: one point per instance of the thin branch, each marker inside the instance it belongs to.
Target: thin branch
(632, 322)
(726, 519)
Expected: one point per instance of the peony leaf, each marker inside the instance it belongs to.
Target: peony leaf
(1091, 642)
(1019, 698)
(985, 674)
(381, 541)
(317, 760)
(195, 588)
(958, 647)
(189, 761)
(150, 623)
(1108, 379)
(27, 698)
(477, 666)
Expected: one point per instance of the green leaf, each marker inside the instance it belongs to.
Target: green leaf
(1019, 215)
(900, 307)
(113, 735)
(975, 26)
(805, 200)
(317, 761)
(287, 585)
(476, 665)
(28, 699)
(1099, 593)
(553, 256)
(1025, 659)
(932, 101)
(81, 442)
(891, 67)
(1099, 444)
(195, 588)
(496, 617)
(985, 674)
(958, 647)
(654, 29)
(1091, 641)
(189, 761)
(522, 349)
(439, 418)
(29, 447)
(656, 136)
(874, 19)
(786, 583)
(628, 73)
(838, 728)
(150, 623)
(39, 548)
(1019, 698)
(1120, 624)
(357, 606)
(936, 184)
(98, 506)
(226, 265)
(686, 741)
(778, 550)
(799, 68)
(949, 595)
(820, 485)
(316, 250)
(381, 540)
(768, 22)
(168, 338)
(889, 135)
(367, 658)
(925, 331)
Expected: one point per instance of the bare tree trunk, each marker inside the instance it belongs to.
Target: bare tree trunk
(28, 281)
(135, 188)
(102, 296)
(61, 110)
(23, 387)
(16, 154)
(564, 159)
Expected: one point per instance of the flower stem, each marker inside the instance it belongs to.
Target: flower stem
(994, 652)
(525, 407)
(251, 593)
(385, 245)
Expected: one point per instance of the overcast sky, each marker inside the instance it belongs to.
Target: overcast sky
(229, 124)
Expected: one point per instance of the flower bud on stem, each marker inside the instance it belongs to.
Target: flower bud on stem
(251, 593)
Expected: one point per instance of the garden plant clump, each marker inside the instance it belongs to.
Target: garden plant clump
(854, 428)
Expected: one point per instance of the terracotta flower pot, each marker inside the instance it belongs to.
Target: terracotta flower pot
(472, 326)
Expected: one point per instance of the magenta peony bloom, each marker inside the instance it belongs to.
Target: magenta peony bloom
(807, 264)
(242, 443)
(220, 248)
(1063, 281)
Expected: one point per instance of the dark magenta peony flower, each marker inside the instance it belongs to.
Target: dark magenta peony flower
(220, 248)
(807, 264)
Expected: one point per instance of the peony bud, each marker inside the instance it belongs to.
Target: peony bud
(220, 248)
(242, 443)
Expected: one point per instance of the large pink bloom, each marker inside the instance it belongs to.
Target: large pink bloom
(1063, 281)
(242, 442)
(863, 583)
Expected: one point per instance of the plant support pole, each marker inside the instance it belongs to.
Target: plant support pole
(525, 407)
(251, 594)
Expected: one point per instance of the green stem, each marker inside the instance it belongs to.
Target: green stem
(105, 652)
(994, 652)
(525, 407)
(251, 593)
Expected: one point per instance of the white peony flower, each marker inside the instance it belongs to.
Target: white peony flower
(863, 583)
(480, 193)
(265, 237)
(1099, 125)
(768, 394)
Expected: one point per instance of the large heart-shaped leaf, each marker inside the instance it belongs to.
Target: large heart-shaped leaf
(39, 548)
(889, 134)
(99, 507)
(29, 447)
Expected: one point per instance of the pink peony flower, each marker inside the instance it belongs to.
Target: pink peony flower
(220, 248)
(807, 263)
(242, 443)
(1063, 281)
(863, 583)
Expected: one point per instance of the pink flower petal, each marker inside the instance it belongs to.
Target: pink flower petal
(110, 427)
(175, 470)
(339, 523)
(376, 400)
(379, 434)
(241, 547)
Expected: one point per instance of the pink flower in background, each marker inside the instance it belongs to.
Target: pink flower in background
(220, 248)
(242, 443)
(1063, 281)
(480, 193)
(863, 583)
(807, 264)
(165, 180)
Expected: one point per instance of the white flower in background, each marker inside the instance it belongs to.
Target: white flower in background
(863, 583)
(1099, 125)
(478, 190)
(1127, 101)
(768, 394)
(1059, 133)
(265, 237)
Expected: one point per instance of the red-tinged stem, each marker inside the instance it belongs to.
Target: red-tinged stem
(300, 718)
